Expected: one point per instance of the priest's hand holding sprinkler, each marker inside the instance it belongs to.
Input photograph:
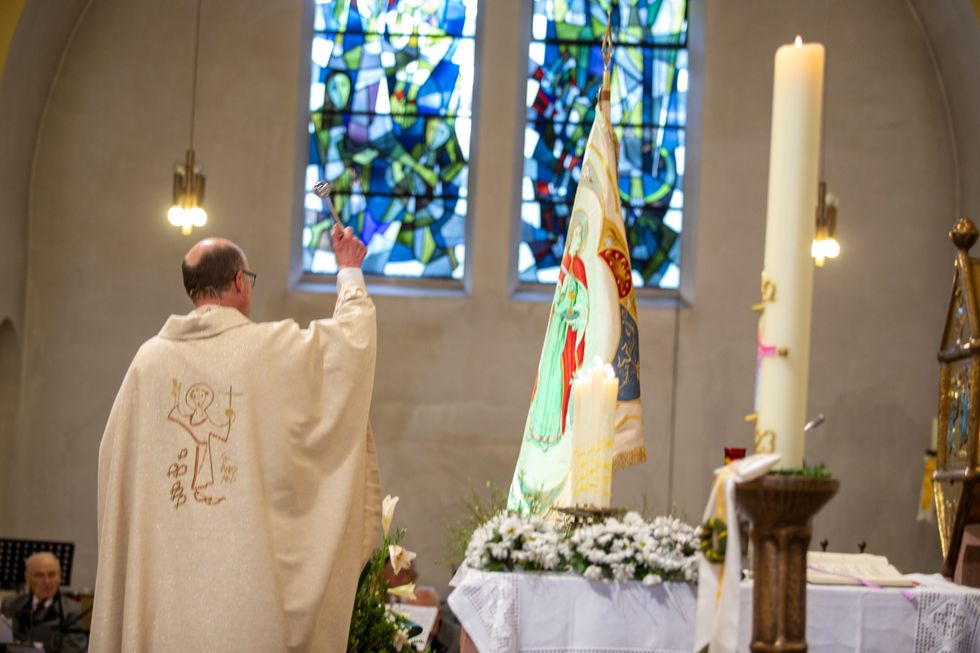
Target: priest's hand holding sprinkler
(347, 248)
(322, 190)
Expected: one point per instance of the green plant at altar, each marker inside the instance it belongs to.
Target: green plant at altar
(374, 626)
(809, 472)
(477, 510)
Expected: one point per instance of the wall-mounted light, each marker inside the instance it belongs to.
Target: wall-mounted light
(825, 243)
(188, 211)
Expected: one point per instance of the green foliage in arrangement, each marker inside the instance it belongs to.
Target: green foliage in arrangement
(809, 472)
(376, 626)
(477, 510)
(373, 628)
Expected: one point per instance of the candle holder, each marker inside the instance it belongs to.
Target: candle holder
(588, 514)
(781, 509)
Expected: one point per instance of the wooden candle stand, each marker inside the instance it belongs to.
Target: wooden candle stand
(781, 509)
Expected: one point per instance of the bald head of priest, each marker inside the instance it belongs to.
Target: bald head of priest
(216, 272)
(238, 484)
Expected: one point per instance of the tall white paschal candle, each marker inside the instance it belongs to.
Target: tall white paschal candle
(794, 155)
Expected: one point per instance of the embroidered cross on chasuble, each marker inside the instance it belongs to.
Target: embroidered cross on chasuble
(593, 314)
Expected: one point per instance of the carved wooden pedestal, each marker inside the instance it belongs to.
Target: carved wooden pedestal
(781, 509)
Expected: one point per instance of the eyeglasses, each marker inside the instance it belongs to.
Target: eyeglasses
(251, 276)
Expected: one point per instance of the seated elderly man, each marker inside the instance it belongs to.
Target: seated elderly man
(42, 614)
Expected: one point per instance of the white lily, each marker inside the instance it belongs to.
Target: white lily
(401, 639)
(388, 512)
(406, 591)
(401, 558)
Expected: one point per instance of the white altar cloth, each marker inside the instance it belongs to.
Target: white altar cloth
(548, 613)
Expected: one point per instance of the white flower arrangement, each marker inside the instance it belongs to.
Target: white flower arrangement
(509, 541)
(665, 549)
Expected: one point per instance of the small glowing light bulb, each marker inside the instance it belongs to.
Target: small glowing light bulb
(175, 216)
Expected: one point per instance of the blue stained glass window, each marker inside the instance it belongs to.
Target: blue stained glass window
(648, 111)
(390, 119)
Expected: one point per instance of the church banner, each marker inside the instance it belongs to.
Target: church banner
(593, 314)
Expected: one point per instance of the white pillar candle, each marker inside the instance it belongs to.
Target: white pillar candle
(785, 322)
(594, 392)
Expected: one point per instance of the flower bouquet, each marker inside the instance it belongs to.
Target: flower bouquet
(664, 549)
(374, 626)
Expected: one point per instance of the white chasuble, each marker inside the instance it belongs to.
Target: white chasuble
(238, 488)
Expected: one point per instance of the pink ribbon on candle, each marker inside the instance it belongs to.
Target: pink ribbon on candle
(908, 594)
(767, 350)
(764, 351)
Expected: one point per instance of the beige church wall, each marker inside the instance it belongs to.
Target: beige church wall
(16, 151)
(25, 79)
(953, 29)
(9, 392)
(455, 372)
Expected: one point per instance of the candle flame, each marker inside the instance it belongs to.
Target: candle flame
(799, 41)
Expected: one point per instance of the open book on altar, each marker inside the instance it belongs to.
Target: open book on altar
(825, 568)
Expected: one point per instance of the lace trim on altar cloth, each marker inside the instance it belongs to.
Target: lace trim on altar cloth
(496, 604)
(946, 623)
(603, 650)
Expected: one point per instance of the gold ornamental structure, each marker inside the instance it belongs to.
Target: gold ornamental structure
(956, 489)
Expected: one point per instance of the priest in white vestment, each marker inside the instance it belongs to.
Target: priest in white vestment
(238, 489)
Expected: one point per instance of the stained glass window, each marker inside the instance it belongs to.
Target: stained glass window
(390, 119)
(648, 111)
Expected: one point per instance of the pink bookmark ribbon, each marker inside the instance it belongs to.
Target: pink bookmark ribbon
(908, 594)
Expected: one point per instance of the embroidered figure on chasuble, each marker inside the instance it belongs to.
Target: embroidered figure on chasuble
(593, 314)
(202, 427)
